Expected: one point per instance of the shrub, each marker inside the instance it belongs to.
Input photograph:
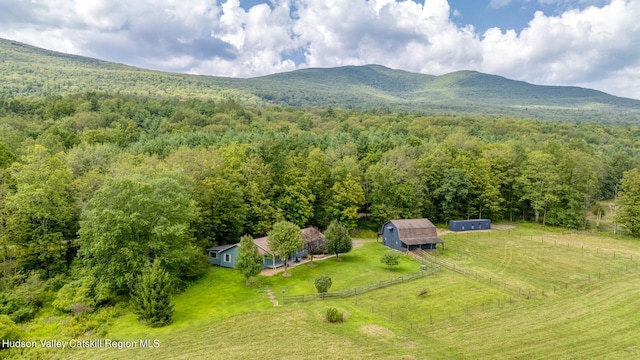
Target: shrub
(334, 315)
(16, 308)
(391, 258)
(322, 283)
(75, 295)
(8, 329)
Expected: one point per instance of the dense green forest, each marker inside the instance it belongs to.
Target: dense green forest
(96, 186)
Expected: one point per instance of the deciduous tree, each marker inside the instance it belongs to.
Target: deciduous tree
(284, 239)
(42, 213)
(249, 261)
(629, 200)
(134, 219)
(337, 239)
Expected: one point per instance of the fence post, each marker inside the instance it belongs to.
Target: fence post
(391, 315)
(430, 320)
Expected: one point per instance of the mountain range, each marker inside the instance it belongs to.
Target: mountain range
(27, 70)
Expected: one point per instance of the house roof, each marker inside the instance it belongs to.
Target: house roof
(416, 231)
(263, 245)
(309, 234)
(222, 248)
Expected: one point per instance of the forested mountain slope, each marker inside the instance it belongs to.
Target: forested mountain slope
(27, 70)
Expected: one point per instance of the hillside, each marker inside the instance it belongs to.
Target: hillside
(27, 70)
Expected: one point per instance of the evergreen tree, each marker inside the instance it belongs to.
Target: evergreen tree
(337, 239)
(151, 296)
(249, 261)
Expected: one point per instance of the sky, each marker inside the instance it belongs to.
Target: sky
(588, 43)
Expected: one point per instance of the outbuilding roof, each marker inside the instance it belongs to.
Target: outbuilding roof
(416, 231)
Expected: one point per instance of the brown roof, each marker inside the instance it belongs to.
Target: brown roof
(416, 231)
(263, 245)
(309, 235)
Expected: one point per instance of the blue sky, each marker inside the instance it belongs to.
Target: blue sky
(589, 43)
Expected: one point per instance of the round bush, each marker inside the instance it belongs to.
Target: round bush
(334, 315)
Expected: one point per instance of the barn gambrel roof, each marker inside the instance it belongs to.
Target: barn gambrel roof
(416, 231)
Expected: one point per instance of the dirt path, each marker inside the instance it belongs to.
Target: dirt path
(272, 297)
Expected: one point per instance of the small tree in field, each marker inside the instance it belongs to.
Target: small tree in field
(337, 239)
(322, 283)
(285, 238)
(150, 296)
(391, 258)
(249, 261)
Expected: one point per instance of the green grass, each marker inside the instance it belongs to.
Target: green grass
(458, 317)
(363, 264)
(218, 295)
(536, 259)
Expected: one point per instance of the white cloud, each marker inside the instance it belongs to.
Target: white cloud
(581, 47)
(595, 46)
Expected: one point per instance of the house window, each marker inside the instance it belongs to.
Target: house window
(213, 254)
(227, 258)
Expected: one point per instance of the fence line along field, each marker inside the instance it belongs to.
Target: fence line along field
(442, 316)
(534, 260)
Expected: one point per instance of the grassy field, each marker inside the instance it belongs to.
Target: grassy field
(536, 259)
(460, 316)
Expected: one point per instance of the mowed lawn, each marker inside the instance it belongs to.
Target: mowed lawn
(442, 316)
(537, 259)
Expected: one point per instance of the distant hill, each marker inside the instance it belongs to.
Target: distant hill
(28, 70)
